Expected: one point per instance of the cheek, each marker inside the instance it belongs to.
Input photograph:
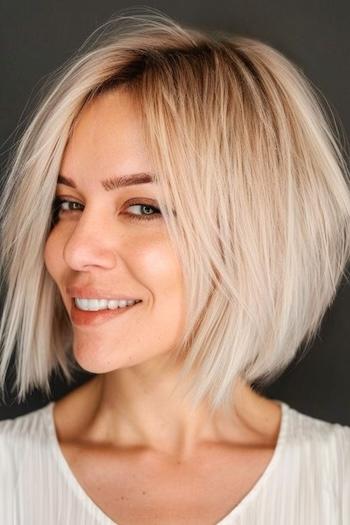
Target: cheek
(160, 267)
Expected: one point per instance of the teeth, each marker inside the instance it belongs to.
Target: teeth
(101, 304)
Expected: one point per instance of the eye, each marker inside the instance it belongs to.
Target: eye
(57, 208)
(58, 204)
(63, 206)
(151, 212)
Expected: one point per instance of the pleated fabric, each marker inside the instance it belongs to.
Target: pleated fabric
(307, 481)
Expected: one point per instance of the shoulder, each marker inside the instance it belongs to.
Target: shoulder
(339, 449)
(323, 449)
(317, 431)
(342, 454)
(20, 436)
(21, 426)
(336, 465)
(317, 434)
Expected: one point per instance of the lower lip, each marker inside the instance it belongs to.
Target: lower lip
(81, 317)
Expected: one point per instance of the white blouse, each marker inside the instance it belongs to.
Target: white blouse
(307, 481)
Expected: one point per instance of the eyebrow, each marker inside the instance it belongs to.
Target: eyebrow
(114, 182)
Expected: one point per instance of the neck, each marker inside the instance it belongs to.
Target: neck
(136, 406)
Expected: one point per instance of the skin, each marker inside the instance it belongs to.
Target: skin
(127, 406)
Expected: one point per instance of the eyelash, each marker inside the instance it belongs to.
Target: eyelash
(58, 201)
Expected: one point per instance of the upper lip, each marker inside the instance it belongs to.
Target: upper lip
(97, 293)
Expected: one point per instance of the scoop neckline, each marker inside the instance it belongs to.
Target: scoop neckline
(97, 512)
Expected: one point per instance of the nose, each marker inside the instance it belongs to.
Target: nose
(91, 243)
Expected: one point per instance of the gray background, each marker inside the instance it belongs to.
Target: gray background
(38, 36)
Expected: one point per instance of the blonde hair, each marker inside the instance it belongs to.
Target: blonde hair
(244, 155)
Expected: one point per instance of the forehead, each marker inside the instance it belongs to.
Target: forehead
(112, 119)
(107, 139)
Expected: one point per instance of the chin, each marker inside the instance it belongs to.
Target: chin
(98, 361)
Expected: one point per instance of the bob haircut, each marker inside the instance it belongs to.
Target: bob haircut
(254, 191)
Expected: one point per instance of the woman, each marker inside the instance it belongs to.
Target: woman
(175, 221)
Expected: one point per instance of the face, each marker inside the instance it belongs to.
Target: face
(113, 242)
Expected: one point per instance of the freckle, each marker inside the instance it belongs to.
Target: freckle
(121, 497)
(143, 492)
